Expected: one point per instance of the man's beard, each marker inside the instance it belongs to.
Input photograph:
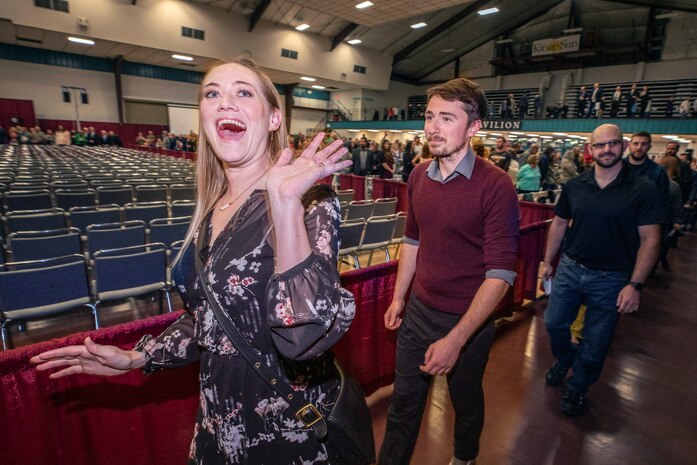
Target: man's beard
(640, 157)
(617, 158)
(442, 152)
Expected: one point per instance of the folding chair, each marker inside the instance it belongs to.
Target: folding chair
(147, 272)
(345, 195)
(350, 233)
(169, 230)
(182, 192)
(68, 198)
(183, 208)
(151, 193)
(27, 200)
(360, 209)
(114, 235)
(63, 286)
(39, 245)
(385, 206)
(82, 217)
(399, 228)
(377, 235)
(35, 220)
(120, 195)
(146, 211)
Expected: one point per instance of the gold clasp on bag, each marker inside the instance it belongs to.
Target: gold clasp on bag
(308, 415)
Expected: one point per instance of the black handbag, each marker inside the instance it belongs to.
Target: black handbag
(348, 430)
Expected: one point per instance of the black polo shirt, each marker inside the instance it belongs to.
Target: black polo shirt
(603, 233)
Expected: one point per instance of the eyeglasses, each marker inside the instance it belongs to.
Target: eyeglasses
(612, 143)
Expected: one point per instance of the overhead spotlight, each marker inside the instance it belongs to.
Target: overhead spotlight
(318, 87)
(504, 41)
(80, 40)
(363, 5)
(354, 41)
(488, 11)
(182, 57)
(308, 78)
(573, 30)
(448, 50)
(302, 27)
(418, 25)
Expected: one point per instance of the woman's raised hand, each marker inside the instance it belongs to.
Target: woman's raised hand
(90, 358)
(290, 179)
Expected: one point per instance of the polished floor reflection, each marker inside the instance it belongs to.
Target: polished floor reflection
(643, 411)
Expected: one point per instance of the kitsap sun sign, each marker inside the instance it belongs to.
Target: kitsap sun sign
(558, 45)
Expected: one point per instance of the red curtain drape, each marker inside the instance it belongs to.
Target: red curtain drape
(390, 188)
(351, 181)
(531, 212)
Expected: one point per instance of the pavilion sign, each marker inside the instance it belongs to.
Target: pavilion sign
(501, 124)
(558, 45)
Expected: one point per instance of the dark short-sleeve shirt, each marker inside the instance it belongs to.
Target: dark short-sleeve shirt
(603, 233)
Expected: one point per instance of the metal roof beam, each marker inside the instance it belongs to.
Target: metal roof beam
(677, 5)
(503, 27)
(438, 30)
(258, 13)
(343, 34)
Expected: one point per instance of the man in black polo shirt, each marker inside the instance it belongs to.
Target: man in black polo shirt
(609, 250)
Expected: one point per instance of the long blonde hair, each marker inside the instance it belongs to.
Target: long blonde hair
(211, 182)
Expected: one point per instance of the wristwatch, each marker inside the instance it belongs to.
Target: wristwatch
(637, 286)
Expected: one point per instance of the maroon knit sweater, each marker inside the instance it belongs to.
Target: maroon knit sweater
(465, 228)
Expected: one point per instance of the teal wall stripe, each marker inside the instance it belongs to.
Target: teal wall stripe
(49, 57)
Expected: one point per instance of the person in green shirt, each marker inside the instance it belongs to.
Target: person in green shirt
(80, 138)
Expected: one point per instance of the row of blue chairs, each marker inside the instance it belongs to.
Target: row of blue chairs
(42, 244)
(31, 290)
(36, 199)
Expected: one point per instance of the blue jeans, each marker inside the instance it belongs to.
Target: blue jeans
(573, 284)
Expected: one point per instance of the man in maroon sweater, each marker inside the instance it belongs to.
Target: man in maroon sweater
(459, 248)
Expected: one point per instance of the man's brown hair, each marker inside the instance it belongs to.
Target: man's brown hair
(462, 90)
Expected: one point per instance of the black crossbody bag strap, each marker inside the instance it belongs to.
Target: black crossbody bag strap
(307, 413)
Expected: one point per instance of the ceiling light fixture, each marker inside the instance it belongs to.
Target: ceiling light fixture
(354, 41)
(418, 25)
(318, 87)
(182, 57)
(572, 30)
(80, 40)
(307, 78)
(488, 11)
(504, 41)
(363, 5)
(302, 27)
(448, 50)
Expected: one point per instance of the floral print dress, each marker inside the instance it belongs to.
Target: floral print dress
(291, 319)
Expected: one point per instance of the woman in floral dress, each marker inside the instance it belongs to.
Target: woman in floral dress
(268, 242)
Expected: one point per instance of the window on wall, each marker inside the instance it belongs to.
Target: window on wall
(359, 69)
(58, 5)
(289, 53)
(193, 33)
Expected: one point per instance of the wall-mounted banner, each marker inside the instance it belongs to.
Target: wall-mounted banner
(558, 45)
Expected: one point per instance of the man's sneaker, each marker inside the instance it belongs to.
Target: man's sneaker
(574, 402)
(556, 374)
(456, 461)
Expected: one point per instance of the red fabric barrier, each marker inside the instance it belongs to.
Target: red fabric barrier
(531, 249)
(161, 151)
(129, 419)
(389, 188)
(532, 212)
(351, 181)
(326, 180)
(368, 349)
(22, 110)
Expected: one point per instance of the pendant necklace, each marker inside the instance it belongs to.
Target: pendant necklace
(227, 205)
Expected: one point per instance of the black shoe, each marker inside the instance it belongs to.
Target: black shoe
(574, 402)
(556, 374)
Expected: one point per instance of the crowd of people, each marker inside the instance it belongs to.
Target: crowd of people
(168, 140)
(87, 136)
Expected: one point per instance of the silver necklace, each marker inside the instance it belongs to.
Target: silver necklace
(227, 205)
